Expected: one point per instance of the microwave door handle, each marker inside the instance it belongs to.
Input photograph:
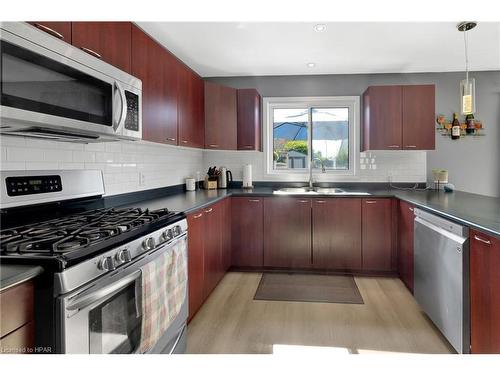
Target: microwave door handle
(123, 110)
(89, 299)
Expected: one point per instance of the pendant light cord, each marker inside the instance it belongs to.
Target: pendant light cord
(466, 57)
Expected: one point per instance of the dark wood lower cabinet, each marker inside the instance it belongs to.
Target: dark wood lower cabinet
(484, 293)
(405, 243)
(247, 231)
(287, 232)
(377, 234)
(336, 233)
(213, 248)
(196, 255)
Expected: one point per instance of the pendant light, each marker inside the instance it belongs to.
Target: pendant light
(468, 85)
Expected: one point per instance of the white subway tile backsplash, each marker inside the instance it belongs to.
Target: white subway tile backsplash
(58, 155)
(84, 156)
(41, 165)
(13, 165)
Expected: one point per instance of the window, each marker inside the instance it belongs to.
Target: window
(321, 131)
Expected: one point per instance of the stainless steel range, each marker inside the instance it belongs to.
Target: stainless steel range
(92, 298)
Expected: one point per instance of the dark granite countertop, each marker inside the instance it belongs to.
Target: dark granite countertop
(13, 274)
(477, 211)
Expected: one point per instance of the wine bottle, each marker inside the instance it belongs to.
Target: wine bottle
(469, 119)
(455, 127)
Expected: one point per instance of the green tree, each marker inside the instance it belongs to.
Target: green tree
(298, 146)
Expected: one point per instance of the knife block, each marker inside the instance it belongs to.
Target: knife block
(209, 183)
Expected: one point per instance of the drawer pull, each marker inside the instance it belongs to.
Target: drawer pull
(394, 146)
(370, 202)
(197, 216)
(320, 201)
(184, 141)
(248, 146)
(213, 146)
(209, 210)
(411, 146)
(254, 200)
(90, 52)
(49, 31)
(411, 209)
(303, 201)
(487, 242)
(171, 139)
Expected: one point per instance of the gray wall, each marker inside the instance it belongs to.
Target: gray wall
(473, 162)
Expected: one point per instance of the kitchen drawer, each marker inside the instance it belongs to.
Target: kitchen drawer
(16, 307)
(21, 341)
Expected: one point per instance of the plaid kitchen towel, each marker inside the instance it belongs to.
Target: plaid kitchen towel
(164, 287)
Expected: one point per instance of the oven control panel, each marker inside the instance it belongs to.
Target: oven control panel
(27, 185)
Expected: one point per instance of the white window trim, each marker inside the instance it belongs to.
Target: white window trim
(351, 102)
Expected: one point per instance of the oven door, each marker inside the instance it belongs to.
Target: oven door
(47, 94)
(106, 317)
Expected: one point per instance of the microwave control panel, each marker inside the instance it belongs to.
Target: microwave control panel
(26, 185)
(132, 119)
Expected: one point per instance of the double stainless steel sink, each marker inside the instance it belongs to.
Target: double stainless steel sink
(317, 191)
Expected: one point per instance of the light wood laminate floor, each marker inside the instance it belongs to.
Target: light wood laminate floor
(230, 321)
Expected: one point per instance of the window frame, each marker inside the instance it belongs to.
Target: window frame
(302, 174)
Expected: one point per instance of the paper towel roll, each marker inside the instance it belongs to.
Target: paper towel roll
(247, 176)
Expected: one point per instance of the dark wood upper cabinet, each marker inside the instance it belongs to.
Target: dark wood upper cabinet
(191, 114)
(247, 231)
(249, 120)
(287, 232)
(59, 30)
(418, 117)
(405, 243)
(109, 41)
(336, 234)
(382, 118)
(484, 293)
(157, 69)
(196, 259)
(377, 234)
(220, 117)
(399, 117)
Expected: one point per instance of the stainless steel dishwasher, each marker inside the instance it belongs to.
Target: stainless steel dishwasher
(441, 275)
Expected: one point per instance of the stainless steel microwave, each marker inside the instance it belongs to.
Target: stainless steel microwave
(50, 89)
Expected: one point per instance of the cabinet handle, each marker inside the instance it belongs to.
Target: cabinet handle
(89, 51)
(197, 216)
(411, 146)
(184, 141)
(370, 202)
(320, 201)
(213, 146)
(411, 209)
(254, 200)
(303, 201)
(209, 210)
(248, 146)
(487, 242)
(171, 139)
(394, 146)
(50, 31)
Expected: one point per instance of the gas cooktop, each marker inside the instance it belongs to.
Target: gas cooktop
(73, 238)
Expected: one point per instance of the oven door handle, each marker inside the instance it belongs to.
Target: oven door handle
(89, 299)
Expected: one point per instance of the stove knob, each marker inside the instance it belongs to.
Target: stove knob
(167, 235)
(123, 256)
(177, 230)
(106, 264)
(148, 243)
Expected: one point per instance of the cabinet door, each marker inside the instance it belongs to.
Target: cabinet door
(377, 234)
(287, 232)
(109, 41)
(60, 30)
(226, 234)
(484, 293)
(213, 245)
(382, 118)
(418, 117)
(220, 117)
(196, 254)
(336, 234)
(155, 66)
(405, 243)
(249, 120)
(247, 231)
(191, 115)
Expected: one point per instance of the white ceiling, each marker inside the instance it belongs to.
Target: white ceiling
(284, 48)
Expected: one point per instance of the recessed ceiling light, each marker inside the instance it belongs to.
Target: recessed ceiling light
(320, 27)
(311, 65)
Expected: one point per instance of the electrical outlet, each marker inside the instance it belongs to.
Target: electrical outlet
(142, 179)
